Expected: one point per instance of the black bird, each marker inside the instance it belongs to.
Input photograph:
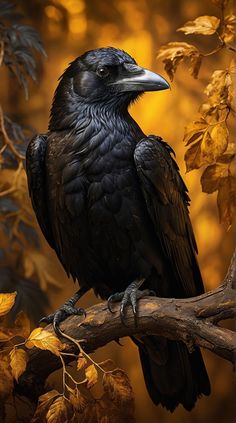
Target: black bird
(112, 204)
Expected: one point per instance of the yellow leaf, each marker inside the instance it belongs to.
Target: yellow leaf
(205, 25)
(6, 302)
(22, 325)
(91, 375)
(220, 89)
(18, 362)
(6, 379)
(226, 199)
(172, 54)
(214, 143)
(193, 157)
(44, 340)
(78, 400)
(43, 406)
(194, 131)
(211, 177)
(61, 410)
(229, 29)
(81, 362)
(118, 388)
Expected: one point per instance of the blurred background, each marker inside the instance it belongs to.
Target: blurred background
(68, 28)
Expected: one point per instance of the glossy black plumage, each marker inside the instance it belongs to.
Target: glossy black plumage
(112, 204)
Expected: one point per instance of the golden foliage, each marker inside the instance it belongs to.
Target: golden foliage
(60, 410)
(81, 362)
(6, 379)
(44, 340)
(91, 375)
(205, 25)
(208, 138)
(18, 362)
(6, 302)
(174, 53)
(78, 400)
(117, 386)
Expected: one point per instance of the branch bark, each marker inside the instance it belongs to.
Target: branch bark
(193, 321)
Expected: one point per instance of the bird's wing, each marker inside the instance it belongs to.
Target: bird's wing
(167, 202)
(35, 169)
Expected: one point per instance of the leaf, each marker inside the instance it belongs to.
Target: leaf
(6, 302)
(81, 362)
(220, 89)
(18, 362)
(211, 177)
(194, 131)
(59, 411)
(90, 414)
(226, 199)
(172, 54)
(43, 406)
(22, 325)
(6, 379)
(193, 157)
(109, 412)
(118, 388)
(78, 400)
(214, 143)
(92, 375)
(229, 29)
(44, 340)
(205, 25)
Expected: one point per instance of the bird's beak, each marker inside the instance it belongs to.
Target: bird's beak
(136, 78)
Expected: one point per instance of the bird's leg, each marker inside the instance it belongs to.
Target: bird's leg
(66, 310)
(129, 296)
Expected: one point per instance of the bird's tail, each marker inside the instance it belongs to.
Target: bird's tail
(172, 375)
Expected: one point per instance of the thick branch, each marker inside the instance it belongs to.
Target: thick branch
(192, 320)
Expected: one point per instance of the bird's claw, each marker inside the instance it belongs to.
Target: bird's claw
(129, 296)
(61, 314)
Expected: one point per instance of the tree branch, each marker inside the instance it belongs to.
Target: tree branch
(192, 320)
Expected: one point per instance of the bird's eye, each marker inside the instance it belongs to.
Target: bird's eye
(103, 72)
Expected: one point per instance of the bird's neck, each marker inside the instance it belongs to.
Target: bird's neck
(69, 112)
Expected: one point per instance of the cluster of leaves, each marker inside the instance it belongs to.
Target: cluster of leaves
(207, 138)
(76, 402)
(19, 233)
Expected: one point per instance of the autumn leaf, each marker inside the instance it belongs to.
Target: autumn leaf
(90, 414)
(220, 89)
(109, 412)
(22, 325)
(6, 302)
(229, 29)
(226, 199)
(44, 340)
(118, 388)
(18, 362)
(43, 405)
(61, 410)
(6, 379)
(78, 400)
(194, 131)
(211, 177)
(214, 143)
(193, 157)
(91, 375)
(81, 362)
(204, 25)
(172, 54)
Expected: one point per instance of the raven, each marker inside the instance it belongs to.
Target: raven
(112, 204)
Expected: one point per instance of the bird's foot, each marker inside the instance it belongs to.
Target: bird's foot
(61, 314)
(129, 296)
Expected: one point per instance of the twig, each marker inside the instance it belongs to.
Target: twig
(6, 140)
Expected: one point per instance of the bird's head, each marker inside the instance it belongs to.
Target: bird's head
(105, 76)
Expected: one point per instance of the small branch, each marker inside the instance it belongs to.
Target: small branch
(6, 140)
(191, 320)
